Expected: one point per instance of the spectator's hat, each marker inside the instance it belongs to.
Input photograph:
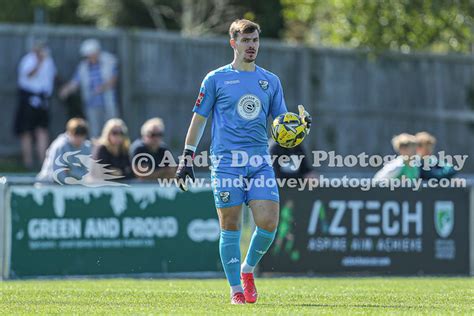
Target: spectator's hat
(90, 47)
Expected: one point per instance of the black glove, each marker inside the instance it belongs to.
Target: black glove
(185, 169)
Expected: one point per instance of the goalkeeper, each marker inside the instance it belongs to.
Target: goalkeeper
(240, 97)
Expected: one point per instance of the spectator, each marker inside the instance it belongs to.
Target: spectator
(405, 146)
(151, 143)
(36, 73)
(97, 77)
(59, 162)
(112, 150)
(426, 144)
(290, 170)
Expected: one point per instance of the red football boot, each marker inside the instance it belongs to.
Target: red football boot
(237, 298)
(250, 291)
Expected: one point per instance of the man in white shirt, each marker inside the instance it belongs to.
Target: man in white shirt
(36, 74)
(96, 78)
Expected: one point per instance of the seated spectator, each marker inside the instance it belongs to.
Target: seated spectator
(112, 150)
(405, 145)
(62, 159)
(426, 144)
(290, 170)
(152, 143)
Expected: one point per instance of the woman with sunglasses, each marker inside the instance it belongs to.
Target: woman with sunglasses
(112, 149)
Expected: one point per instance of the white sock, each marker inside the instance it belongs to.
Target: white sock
(246, 268)
(236, 289)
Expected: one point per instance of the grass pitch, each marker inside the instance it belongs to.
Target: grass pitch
(294, 296)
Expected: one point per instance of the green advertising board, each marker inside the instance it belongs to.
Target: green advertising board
(75, 230)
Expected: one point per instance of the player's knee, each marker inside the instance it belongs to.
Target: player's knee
(230, 225)
(269, 224)
(229, 218)
(230, 222)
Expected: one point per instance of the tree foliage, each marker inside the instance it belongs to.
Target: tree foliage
(54, 11)
(191, 17)
(405, 25)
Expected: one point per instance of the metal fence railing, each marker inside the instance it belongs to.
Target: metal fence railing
(359, 100)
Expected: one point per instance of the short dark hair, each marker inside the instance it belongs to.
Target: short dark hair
(242, 26)
(77, 126)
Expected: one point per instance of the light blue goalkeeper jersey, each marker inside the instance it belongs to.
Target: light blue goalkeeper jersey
(240, 102)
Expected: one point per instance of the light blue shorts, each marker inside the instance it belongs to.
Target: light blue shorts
(233, 186)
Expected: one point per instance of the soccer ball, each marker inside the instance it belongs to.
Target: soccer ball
(288, 130)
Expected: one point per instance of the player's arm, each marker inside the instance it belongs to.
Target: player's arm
(195, 130)
(202, 108)
(185, 168)
(279, 106)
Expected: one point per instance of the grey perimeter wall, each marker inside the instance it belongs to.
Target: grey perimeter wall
(358, 100)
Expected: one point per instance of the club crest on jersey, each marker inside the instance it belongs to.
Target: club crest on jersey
(225, 196)
(263, 84)
(249, 106)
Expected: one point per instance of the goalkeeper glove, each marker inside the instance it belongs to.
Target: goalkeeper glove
(305, 117)
(185, 169)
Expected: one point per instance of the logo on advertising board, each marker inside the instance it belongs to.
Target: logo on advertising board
(200, 230)
(444, 218)
(444, 248)
(366, 232)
